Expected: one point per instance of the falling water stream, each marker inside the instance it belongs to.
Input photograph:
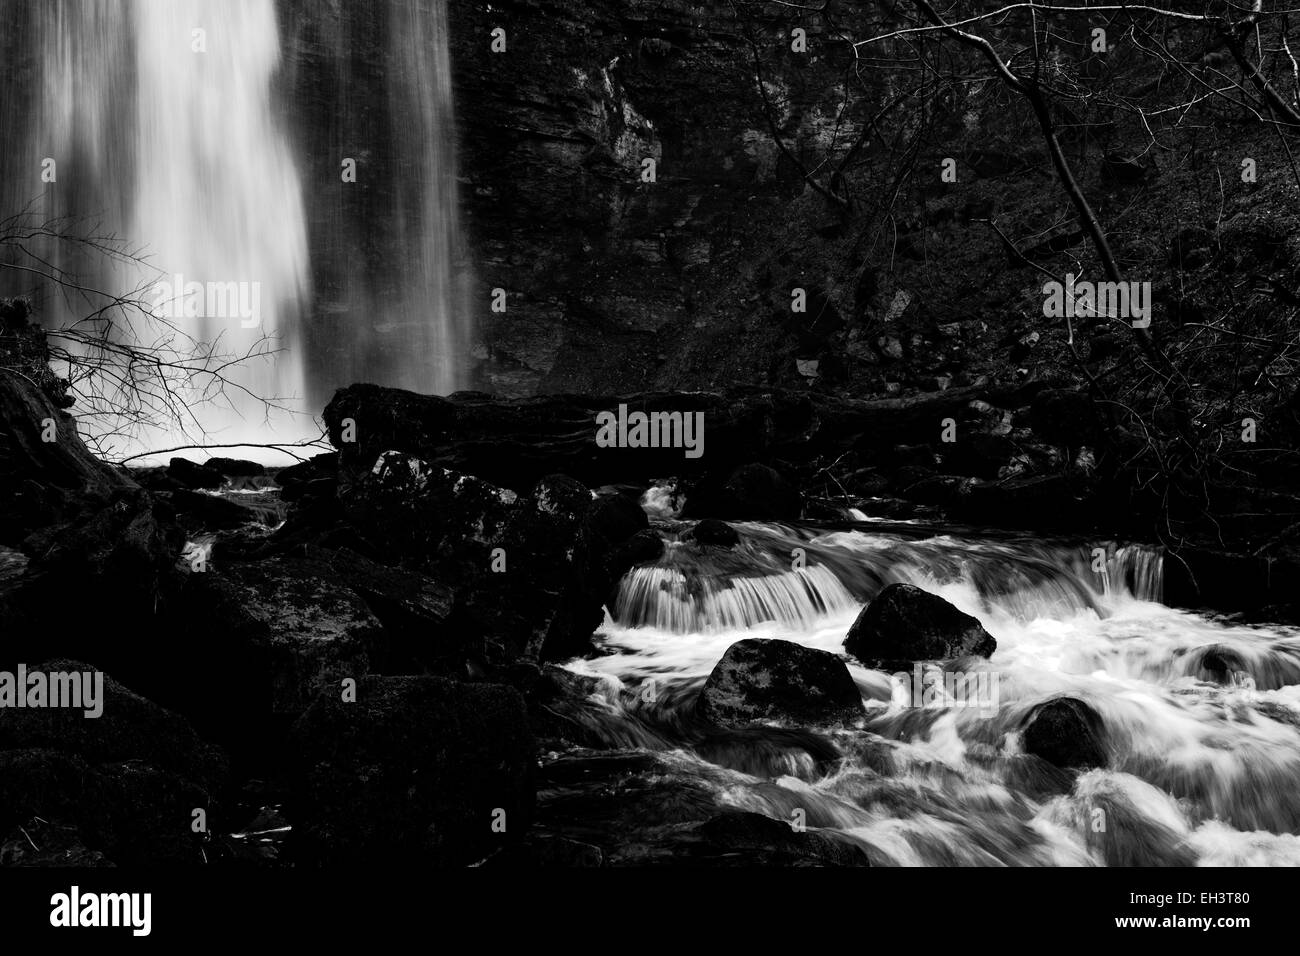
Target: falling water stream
(1203, 757)
(162, 128)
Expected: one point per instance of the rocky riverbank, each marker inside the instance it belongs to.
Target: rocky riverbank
(362, 656)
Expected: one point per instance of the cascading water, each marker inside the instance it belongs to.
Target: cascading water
(159, 120)
(1202, 713)
(172, 131)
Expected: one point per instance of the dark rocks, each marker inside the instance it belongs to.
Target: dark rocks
(418, 770)
(414, 609)
(532, 569)
(1065, 417)
(129, 728)
(1216, 663)
(564, 498)
(114, 562)
(637, 808)
(125, 782)
(751, 839)
(756, 492)
(193, 475)
(613, 518)
(1211, 577)
(39, 782)
(1067, 733)
(770, 680)
(235, 467)
(515, 443)
(905, 624)
(143, 816)
(315, 475)
(285, 630)
(42, 482)
(196, 511)
(133, 812)
(644, 547)
(39, 842)
(714, 532)
(980, 454)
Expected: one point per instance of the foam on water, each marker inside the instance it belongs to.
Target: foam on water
(1203, 762)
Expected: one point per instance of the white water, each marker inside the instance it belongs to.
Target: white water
(168, 140)
(1200, 771)
(172, 143)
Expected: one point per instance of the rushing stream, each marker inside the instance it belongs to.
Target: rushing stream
(1201, 712)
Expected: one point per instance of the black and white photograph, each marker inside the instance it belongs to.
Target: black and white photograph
(534, 437)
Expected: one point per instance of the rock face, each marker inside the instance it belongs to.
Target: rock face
(120, 787)
(532, 569)
(905, 624)
(192, 475)
(758, 493)
(590, 91)
(516, 443)
(418, 770)
(714, 532)
(130, 728)
(235, 467)
(115, 560)
(41, 482)
(285, 630)
(1066, 732)
(769, 680)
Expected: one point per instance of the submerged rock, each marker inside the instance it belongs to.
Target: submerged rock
(639, 808)
(1067, 733)
(417, 770)
(714, 532)
(769, 680)
(905, 624)
(751, 839)
(1217, 663)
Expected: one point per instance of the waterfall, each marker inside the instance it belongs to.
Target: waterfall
(427, 219)
(695, 588)
(177, 134)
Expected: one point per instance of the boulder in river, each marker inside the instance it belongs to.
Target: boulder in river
(714, 532)
(770, 680)
(235, 467)
(193, 475)
(416, 770)
(1066, 732)
(905, 623)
